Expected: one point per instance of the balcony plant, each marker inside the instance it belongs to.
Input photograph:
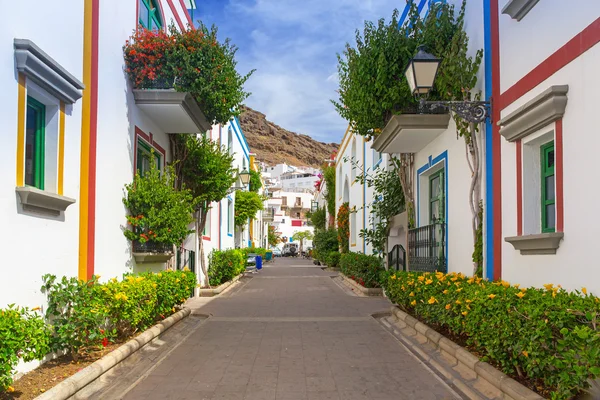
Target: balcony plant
(159, 215)
(192, 61)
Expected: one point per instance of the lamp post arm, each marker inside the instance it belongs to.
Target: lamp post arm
(471, 111)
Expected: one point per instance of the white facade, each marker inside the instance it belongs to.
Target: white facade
(299, 180)
(571, 46)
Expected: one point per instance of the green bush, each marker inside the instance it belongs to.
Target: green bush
(325, 242)
(254, 250)
(224, 265)
(363, 269)
(333, 259)
(23, 336)
(548, 336)
(89, 314)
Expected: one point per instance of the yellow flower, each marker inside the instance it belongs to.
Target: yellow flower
(584, 290)
(186, 268)
(159, 274)
(525, 353)
(177, 280)
(393, 277)
(520, 295)
(140, 278)
(491, 296)
(464, 313)
(412, 294)
(454, 279)
(432, 300)
(173, 309)
(523, 290)
(549, 286)
(10, 389)
(36, 308)
(448, 306)
(458, 302)
(428, 282)
(516, 285)
(403, 288)
(553, 294)
(445, 291)
(413, 303)
(468, 307)
(114, 280)
(458, 290)
(421, 278)
(154, 285)
(505, 284)
(468, 301)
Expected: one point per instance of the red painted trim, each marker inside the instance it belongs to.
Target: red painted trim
(558, 173)
(574, 48)
(176, 15)
(519, 187)
(93, 140)
(148, 138)
(187, 13)
(206, 238)
(496, 145)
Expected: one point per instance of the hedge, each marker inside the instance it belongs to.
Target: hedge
(82, 315)
(364, 269)
(549, 337)
(325, 242)
(333, 259)
(224, 265)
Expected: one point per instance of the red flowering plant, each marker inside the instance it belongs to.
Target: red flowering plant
(158, 212)
(343, 224)
(191, 61)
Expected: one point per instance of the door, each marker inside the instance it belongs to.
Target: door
(437, 219)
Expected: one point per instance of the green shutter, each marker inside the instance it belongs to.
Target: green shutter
(37, 124)
(548, 198)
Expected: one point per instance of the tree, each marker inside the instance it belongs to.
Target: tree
(247, 204)
(300, 236)
(255, 182)
(318, 218)
(206, 169)
(273, 237)
(329, 177)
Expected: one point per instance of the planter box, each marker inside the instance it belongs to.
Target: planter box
(362, 289)
(151, 252)
(219, 289)
(459, 356)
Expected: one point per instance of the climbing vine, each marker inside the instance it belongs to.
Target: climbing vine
(329, 178)
(343, 224)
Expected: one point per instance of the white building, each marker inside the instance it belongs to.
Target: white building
(289, 212)
(298, 180)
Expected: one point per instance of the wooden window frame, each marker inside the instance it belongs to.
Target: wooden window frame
(39, 159)
(546, 172)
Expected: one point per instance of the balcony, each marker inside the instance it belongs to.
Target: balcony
(427, 248)
(410, 132)
(172, 111)
(151, 252)
(269, 214)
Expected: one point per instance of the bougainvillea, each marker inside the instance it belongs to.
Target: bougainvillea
(343, 224)
(191, 61)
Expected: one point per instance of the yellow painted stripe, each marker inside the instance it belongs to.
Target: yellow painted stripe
(61, 148)
(85, 141)
(343, 145)
(22, 103)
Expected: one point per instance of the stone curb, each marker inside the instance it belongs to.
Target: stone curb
(219, 289)
(75, 383)
(362, 289)
(457, 354)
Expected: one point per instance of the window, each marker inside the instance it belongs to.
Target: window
(284, 201)
(548, 192)
(145, 156)
(298, 201)
(230, 218)
(149, 15)
(436, 197)
(376, 158)
(206, 231)
(35, 143)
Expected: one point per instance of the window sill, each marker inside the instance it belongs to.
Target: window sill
(540, 243)
(34, 199)
(517, 9)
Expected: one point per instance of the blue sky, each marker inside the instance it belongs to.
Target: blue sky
(292, 44)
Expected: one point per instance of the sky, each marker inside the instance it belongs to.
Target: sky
(293, 46)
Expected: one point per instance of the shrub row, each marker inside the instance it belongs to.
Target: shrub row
(364, 269)
(548, 336)
(324, 243)
(224, 265)
(84, 315)
(333, 259)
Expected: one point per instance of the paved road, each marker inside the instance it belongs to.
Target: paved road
(288, 333)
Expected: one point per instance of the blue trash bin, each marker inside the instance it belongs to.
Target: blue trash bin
(258, 262)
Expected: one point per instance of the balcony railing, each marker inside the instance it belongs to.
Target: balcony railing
(268, 214)
(397, 258)
(427, 248)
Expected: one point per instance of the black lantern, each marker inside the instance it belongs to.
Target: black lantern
(245, 176)
(421, 71)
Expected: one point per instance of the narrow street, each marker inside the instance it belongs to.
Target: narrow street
(290, 332)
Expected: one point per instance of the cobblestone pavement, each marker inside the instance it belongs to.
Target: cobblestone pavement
(288, 333)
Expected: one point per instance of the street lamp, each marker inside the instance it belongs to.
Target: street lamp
(421, 72)
(314, 205)
(244, 176)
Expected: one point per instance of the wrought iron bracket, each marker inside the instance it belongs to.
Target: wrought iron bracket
(471, 111)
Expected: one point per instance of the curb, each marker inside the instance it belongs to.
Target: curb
(75, 383)
(219, 289)
(362, 289)
(456, 354)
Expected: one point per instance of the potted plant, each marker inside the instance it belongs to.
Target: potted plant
(159, 215)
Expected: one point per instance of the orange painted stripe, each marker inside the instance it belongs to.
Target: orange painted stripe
(22, 101)
(85, 141)
(61, 148)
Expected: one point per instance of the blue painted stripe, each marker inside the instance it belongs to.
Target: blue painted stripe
(241, 138)
(431, 162)
(488, 152)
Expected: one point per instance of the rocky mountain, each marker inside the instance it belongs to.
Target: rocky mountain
(274, 144)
